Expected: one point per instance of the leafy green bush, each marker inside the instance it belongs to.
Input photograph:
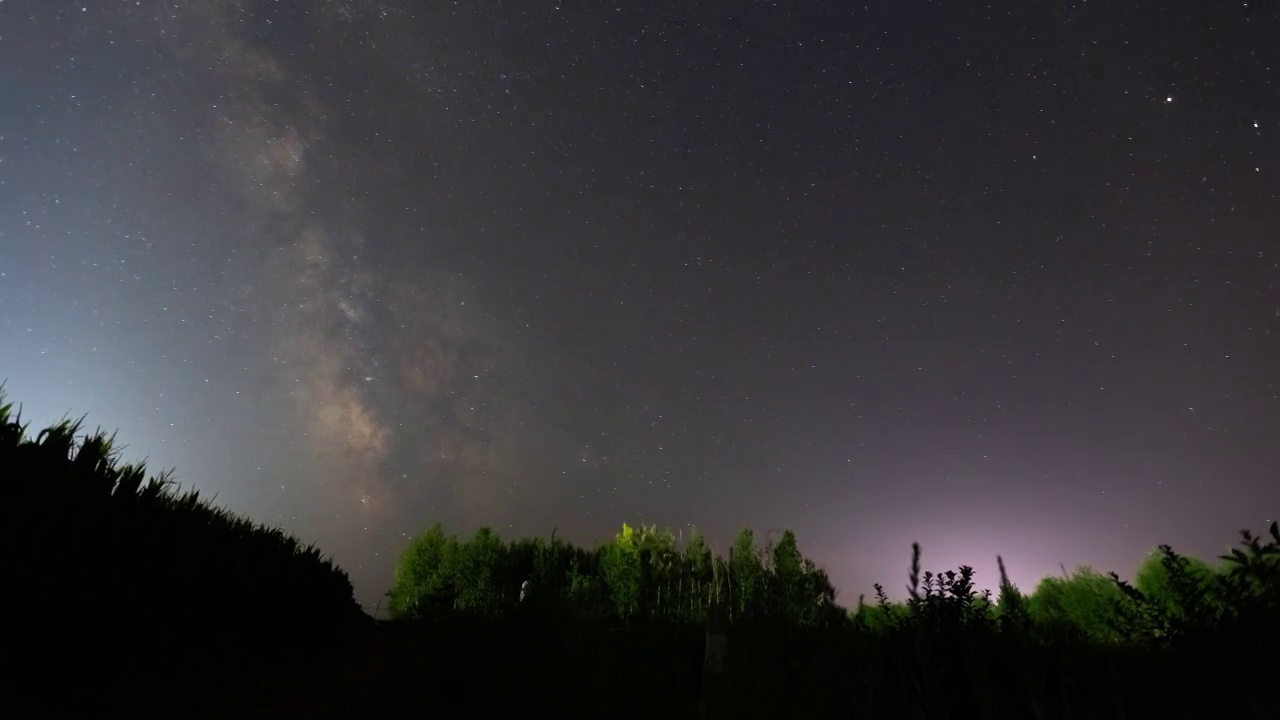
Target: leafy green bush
(1086, 604)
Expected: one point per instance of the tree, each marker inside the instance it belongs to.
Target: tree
(820, 597)
(479, 575)
(700, 577)
(620, 566)
(663, 565)
(791, 600)
(1087, 604)
(550, 572)
(1011, 606)
(424, 580)
(586, 592)
(1181, 587)
(745, 574)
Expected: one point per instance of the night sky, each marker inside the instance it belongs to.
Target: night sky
(998, 280)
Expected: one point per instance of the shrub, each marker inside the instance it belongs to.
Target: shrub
(139, 576)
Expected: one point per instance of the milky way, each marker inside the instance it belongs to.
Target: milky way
(377, 370)
(383, 388)
(1000, 281)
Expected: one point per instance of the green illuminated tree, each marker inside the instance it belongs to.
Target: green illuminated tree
(620, 567)
(746, 574)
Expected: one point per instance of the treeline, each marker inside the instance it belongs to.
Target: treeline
(1172, 598)
(648, 574)
(1184, 639)
(643, 574)
(126, 574)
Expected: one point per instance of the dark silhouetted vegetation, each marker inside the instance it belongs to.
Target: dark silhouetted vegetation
(118, 576)
(1185, 640)
(166, 605)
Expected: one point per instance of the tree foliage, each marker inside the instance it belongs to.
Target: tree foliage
(643, 573)
(1086, 604)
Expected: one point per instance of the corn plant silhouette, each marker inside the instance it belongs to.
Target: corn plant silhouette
(142, 577)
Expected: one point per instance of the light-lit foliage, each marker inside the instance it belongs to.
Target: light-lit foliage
(644, 573)
(1086, 603)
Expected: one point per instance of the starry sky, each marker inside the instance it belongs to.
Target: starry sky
(998, 279)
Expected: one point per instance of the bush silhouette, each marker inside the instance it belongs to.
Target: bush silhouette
(139, 577)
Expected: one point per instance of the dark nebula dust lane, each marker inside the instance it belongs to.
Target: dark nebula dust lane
(999, 280)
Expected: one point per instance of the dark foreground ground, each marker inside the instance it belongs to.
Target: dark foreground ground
(457, 669)
(470, 672)
(470, 669)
